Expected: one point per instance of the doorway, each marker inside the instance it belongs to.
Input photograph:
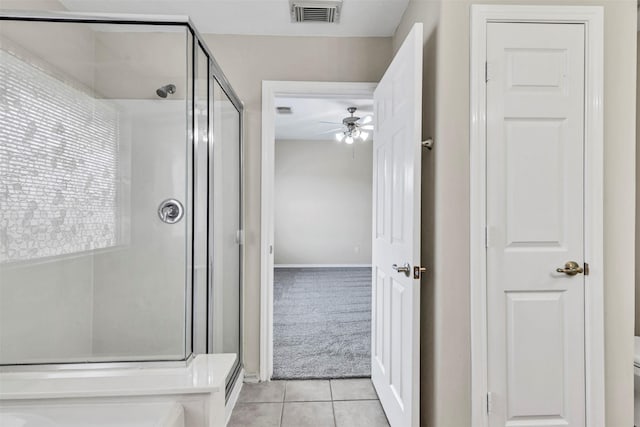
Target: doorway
(322, 238)
(294, 265)
(396, 180)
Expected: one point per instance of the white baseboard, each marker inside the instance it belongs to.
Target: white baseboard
(322, 266)
(233, 399)
(251, 377)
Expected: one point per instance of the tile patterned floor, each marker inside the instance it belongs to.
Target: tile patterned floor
(309, 403)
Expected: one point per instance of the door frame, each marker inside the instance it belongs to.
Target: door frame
(592, 18)
(270, 91)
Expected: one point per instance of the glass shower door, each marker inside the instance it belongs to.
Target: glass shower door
(95, 218)
(226, 235)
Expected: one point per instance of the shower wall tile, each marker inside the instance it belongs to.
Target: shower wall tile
(58, 166)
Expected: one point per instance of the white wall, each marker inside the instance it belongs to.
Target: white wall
(139, 297)
(46, 311)
(448, 354)
(323, 202)
(247, 61)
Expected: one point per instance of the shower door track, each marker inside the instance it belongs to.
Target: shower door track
(97, 365)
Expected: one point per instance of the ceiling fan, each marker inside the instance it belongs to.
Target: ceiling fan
(354, 127)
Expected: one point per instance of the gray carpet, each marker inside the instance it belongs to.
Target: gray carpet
(322, 323)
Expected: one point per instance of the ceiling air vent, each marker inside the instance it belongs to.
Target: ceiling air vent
(315, 11)
(284, 110)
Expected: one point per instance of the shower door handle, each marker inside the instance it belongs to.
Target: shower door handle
(170, 211)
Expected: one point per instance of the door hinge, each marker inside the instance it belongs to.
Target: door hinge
(586, 268)
(417, 271)
(486, 237)
(489, 403)
(270, 249)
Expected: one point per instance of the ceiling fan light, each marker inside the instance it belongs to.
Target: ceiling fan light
(340, 136)
(349, 140)
(364, 135)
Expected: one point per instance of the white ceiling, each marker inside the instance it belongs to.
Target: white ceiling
(308, 113)
(362, 18)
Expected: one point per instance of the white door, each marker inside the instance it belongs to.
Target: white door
(535, 211)
(395, 355)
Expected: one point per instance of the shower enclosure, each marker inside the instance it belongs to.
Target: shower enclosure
(120, 193)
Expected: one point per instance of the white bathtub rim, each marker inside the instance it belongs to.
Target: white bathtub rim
(206, 374)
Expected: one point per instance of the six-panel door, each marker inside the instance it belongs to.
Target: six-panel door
(535, 209)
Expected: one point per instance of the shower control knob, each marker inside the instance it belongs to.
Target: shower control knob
(170, 211)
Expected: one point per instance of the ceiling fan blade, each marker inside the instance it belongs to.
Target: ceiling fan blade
(367, 127)
(329, 131)
(366, 120)
(333, 123)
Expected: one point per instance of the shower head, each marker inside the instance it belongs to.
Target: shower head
(165, 90)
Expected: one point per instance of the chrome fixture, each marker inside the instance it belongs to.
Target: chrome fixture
(170, 211)
(406, 269)
(353, 129)
(165, 90)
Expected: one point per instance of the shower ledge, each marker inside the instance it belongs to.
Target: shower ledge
(198, 388)
(206, 374)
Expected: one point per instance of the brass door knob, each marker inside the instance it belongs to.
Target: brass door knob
(571, 268)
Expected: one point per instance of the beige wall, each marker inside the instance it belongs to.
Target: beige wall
(448, 357)
(247, 61)
(67, 50)
(133, 64)
(126, 62)
(428, 12)
(323, 202)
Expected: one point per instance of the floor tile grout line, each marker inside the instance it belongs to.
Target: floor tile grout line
(284, 399)
(285, 392)
(311, 401)
(333, 408)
